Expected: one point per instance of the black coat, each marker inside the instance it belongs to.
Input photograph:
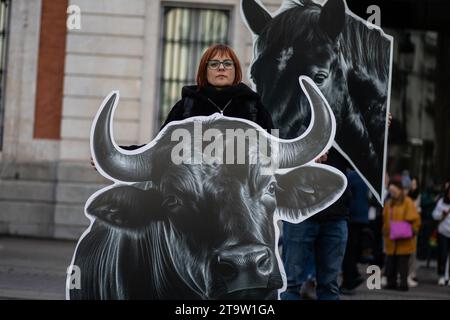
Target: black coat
(341, 208)
(236, 101)
(245, 104)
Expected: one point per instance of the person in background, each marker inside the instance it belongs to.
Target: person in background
(376, 226)
(380, 243)
(414, 194)
(441, 213)
(321, 239)
(399, 208)
(440, 189)
(308, 288)
(358, 223)
(424, 239)
(406, 181)
(307, 277)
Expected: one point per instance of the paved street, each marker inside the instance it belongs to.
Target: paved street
(426, 290)
(35, 269)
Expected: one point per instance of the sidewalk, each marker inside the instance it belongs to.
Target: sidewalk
(426, 290)
(36, 269)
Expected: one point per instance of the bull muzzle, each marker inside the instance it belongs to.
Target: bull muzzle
(243, 268)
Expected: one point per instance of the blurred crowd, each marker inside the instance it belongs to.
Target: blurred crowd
(375, 233)
(413, 224)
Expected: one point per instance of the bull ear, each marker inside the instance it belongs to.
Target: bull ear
(255, 15)
(126, 206)
(307, 190)
(332, 18)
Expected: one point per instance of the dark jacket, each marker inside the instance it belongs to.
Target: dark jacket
(242, 103)
(339, 209)
(245, 104)
(359, 202)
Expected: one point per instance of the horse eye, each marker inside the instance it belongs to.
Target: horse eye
(320, 78)
(171, 202)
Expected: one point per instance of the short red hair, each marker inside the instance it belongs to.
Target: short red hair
(222, 50)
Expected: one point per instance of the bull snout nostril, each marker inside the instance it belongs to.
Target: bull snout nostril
(244, 264)
(226, 269)
(264, 263)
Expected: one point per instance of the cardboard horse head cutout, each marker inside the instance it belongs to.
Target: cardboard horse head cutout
(184, 220)
(350, 61)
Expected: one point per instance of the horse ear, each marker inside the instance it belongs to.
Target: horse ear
(332, 18)
(255, 15)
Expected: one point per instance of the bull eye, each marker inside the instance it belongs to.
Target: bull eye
(272, 188)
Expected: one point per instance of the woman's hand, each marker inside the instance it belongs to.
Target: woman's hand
(93, 164)
(322, 158)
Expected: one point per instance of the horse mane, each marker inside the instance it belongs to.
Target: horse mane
(365, 49)
(292, 26)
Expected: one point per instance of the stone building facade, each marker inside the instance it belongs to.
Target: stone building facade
(55, 78)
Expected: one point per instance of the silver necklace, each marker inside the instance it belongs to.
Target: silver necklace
(221, 110)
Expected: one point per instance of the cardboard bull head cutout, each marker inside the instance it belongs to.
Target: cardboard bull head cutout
(349, 59)
(173, 226)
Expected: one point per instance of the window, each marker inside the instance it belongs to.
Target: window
(4, 23)
(187, 33)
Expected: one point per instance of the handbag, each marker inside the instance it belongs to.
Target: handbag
(400, 229)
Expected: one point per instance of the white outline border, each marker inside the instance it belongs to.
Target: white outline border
(276, 217)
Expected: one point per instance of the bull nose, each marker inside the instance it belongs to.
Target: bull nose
(233, 261)
(244, 267)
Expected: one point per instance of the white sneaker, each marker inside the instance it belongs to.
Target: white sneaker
(441, 281)
(412, 283)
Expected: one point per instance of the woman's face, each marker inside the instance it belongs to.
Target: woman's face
(395, 191)
(221, 76)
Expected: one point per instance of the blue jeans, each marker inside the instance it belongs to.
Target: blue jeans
(313, 243)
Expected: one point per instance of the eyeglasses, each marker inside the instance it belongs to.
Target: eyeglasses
(215, 64)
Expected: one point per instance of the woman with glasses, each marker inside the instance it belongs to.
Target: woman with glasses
(219, 89)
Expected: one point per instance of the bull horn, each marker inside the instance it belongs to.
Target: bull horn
(317, 138)
(109, 160)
